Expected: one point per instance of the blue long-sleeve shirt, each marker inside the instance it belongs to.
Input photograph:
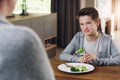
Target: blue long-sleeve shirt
(107, 53)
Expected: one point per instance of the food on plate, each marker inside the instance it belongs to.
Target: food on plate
(78, 68)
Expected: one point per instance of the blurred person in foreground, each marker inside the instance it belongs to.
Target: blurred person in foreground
(22, 55)
(91, 45)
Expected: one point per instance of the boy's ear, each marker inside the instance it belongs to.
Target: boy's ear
(98, 22)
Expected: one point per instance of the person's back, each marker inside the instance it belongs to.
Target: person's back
(22, 55)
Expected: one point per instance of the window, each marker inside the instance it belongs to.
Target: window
(104, 8)
(34, 6)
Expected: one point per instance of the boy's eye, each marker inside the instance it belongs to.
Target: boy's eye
(88, 22)
(81, 24)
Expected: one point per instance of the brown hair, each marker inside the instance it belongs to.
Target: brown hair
(90, 11)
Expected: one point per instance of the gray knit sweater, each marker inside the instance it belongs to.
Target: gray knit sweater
(107, 53)
(22, 55)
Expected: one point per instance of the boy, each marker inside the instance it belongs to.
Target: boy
(91, 45)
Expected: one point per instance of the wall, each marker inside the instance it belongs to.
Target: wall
(87, 3)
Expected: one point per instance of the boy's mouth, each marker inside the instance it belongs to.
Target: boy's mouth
(86, 30)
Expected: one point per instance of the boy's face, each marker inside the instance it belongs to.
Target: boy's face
(87, 25)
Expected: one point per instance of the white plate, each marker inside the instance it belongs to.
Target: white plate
(64, 68)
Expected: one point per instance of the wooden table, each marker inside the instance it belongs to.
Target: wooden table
(100, 72)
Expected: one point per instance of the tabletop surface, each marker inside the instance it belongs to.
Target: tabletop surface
(99, 73)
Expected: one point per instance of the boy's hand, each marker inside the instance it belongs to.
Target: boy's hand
(87, 58)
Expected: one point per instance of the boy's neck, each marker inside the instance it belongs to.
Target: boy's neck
(93, 37)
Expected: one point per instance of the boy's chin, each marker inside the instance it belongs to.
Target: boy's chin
(87, 34)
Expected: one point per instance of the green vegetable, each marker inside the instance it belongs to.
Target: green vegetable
(79, 50)
(74, 69)
(83, 68)
(78, 68)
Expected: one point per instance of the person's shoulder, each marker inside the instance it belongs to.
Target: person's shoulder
(27, 32)
(24, 30)
(106, 36)
(11, 28)
(79, 34)
(19, 32)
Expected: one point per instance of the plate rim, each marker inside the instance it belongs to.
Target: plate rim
(76, 63)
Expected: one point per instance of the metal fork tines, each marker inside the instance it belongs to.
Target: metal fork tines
(67, 65)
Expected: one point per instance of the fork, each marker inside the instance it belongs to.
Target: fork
(67, 65)
(84, 50)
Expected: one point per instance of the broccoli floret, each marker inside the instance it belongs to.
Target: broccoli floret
(78, 68)
(83, 68)
(75, 69)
